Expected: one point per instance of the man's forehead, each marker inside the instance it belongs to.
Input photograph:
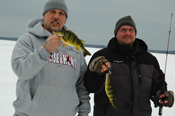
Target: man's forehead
(126, 26)
(57, 10)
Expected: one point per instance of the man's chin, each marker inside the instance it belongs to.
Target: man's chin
(128, 44)
(56, 29)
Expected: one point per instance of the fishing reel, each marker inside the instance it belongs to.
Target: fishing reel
(156, 99)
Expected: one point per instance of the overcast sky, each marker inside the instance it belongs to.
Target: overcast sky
(94, 20)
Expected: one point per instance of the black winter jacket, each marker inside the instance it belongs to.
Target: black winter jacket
(136, 76)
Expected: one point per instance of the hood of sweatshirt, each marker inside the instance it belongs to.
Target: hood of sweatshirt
(35, 27)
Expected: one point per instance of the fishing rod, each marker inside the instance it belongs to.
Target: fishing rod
(161, 105)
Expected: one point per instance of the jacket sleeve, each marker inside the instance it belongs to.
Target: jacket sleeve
(26, 61)
(94, 82)
(158, 79)
(83, 94)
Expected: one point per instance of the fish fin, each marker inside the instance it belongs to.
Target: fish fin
(63, 39)
(73, 33)
(64, 44)
(78, 49)
(83, 42)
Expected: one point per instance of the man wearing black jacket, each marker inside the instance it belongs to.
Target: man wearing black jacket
(135, 74)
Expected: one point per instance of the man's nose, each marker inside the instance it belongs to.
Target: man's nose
(127, 32)
(56, 16)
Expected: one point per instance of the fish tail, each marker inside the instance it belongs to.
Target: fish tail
(113, 105)
(86, 52)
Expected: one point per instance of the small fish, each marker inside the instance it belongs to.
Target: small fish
(70, 38)
(110, 90)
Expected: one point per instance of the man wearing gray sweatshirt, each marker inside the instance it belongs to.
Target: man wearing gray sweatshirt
(50, 76)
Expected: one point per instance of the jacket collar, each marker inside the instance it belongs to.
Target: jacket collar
(138, 47)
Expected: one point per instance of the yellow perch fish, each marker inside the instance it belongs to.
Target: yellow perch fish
(110, 90)
(70, 38)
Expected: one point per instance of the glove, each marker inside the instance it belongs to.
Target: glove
(167, 95)
(96, 64)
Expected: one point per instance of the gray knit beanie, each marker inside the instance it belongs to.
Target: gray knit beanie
(56, 4)
(127, 20)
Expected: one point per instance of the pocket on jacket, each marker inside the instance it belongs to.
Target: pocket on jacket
(144, 102)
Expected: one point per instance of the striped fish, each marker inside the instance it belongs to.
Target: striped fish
(110, 90)
(70, 38)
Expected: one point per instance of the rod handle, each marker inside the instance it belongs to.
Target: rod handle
(160, 110)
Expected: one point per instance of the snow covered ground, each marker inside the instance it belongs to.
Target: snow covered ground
(8, 79)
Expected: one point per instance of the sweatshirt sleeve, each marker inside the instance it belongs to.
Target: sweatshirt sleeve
(83, 94)
(93, 82)
(26, 61)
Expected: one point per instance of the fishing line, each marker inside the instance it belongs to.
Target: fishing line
(161, 106)
(167, 49)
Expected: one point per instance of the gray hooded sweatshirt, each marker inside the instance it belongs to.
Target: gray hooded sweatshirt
(48, 85)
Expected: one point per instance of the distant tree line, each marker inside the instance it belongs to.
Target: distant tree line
(94, 46)
(8, 38)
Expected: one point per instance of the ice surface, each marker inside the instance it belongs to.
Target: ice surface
(8, 79)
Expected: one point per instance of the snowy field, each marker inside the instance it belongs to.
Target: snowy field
(8, 79)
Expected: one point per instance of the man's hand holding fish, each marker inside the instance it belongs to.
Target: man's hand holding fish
(52, 43)
(99, 65)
